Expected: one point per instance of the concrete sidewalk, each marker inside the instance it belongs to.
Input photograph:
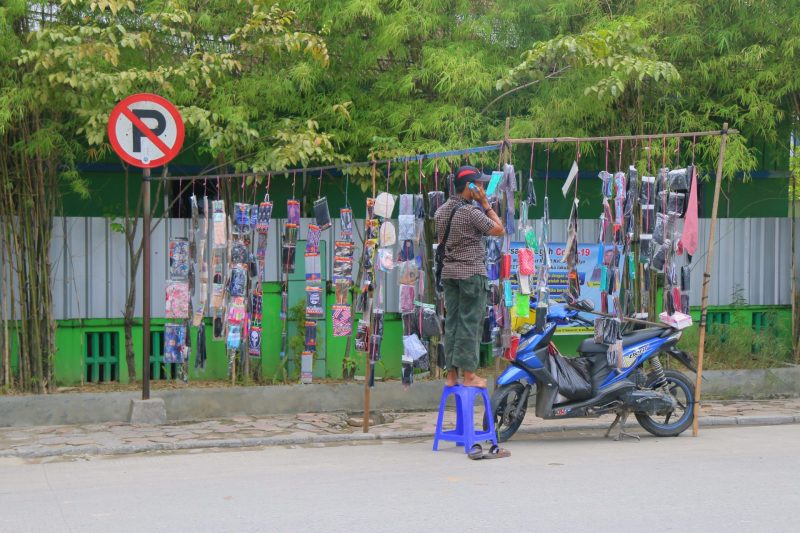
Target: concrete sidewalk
(250, 431)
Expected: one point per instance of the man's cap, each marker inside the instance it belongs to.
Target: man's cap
(467, 173)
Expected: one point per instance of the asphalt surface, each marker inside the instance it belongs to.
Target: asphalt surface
(728, 479)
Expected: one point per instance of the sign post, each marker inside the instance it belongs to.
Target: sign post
(146, 131)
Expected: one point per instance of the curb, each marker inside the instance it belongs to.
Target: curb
(32, 452)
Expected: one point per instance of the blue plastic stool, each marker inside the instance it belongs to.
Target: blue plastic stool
(465, 433)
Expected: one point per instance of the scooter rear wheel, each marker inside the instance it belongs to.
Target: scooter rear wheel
(504, 404)
(674, 423)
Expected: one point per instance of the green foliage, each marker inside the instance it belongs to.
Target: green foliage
(740, 345)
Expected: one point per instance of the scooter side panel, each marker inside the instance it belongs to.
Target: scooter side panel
(633, 357)
(512, 374)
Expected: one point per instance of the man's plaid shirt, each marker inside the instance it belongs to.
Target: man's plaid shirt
(465, 252)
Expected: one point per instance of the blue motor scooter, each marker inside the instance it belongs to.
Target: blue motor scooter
(662, 400)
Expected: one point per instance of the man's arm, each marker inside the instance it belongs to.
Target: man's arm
(497, 230)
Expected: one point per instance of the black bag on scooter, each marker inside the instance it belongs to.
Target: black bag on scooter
(573, 377)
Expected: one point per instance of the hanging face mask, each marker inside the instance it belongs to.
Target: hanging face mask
(408, 227)
(346, 217)
(679, 180)
(322, 214)
(385, 259)
(526, 262)
(408, 272)
(312, 267)
(313, 238)
(419, 206)
(493, 250)
(238, 282)
(174, 343)
(314, 302)
(384, 205)
(288, 258)
(435, 201)
(406, 252)
(179, 258)
(342, 323)
(430, 325)
(178, 299)
(293, 212)
(342, 269)
(388, 234)
(242, 220)
(290, 234)
(531, 193)
(254, 342)
(406, 204)
(220, 224)
(264, 216)
(406, 298)
(523, 305)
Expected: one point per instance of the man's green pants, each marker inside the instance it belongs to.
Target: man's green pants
(465, 301)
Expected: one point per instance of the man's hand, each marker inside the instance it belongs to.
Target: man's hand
(479, 194)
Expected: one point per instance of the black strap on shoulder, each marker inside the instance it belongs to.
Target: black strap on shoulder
(447, 230)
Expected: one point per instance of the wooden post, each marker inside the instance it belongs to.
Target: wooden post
(707, 281)
(367, 366)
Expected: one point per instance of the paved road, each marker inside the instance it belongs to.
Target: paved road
(729, 479)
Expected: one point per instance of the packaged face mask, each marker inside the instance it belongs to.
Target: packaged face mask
(674, 202)
(406, 204)
(174, 343)
(238, 281)
(413, 347)
(493, 271)
(660, 230)
(435, 201)
(493, 251)
(312, 267)
(264, 216)
(362, 336)
(387, 234)
(526, 261)
(408, 227)
(419, 206)
(342, 269)
(408, 272)
(311, 335)
(312, 239)
(343, 249)
(523, 302)
(177, 301)
(288, 258)
(322, 214)
(342, 324)
(293, 212)
(254, 342)
(220, 224)
(234, 337)
(385, 259)
(346, 216)
(508, 296)
(371, 228)
(679, 180)
(375, 341)
(241, 217)
(608, 184)
(406, 252)
(686, 278)
(384, 205)
(239, 253)
(342, 290)
(290, 234)
(314, 302)
(179, 258)
(430, 325)
(406, 298)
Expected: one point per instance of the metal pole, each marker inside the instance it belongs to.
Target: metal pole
(146, 288)
(707, 281)
(528, 140)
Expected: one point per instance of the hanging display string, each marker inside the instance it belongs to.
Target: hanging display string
(343, 166)
(678, 155)
(294, 182)
(420, 177)
(528, 140)
(319, 190)
(242, 193)
(269, 182)
(606, 155)
(405, 178)
(255, 189)
(436, 174)
(547, 172)
(346, 190)
(578, 161)
(218, 189)
(619, 164)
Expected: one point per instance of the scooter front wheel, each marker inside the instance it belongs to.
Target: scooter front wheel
(508, 413)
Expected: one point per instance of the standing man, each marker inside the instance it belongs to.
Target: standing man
(464, 272)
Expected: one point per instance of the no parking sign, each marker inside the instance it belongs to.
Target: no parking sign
(146, 130)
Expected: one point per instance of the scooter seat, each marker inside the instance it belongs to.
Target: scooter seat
(588, 346)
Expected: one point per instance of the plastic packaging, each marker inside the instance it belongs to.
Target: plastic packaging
(322, 214)
(408, 227)
(384, 205)
(526, 262)
(435, 201)
(406, 298)
(293, 212)
(406, 204)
